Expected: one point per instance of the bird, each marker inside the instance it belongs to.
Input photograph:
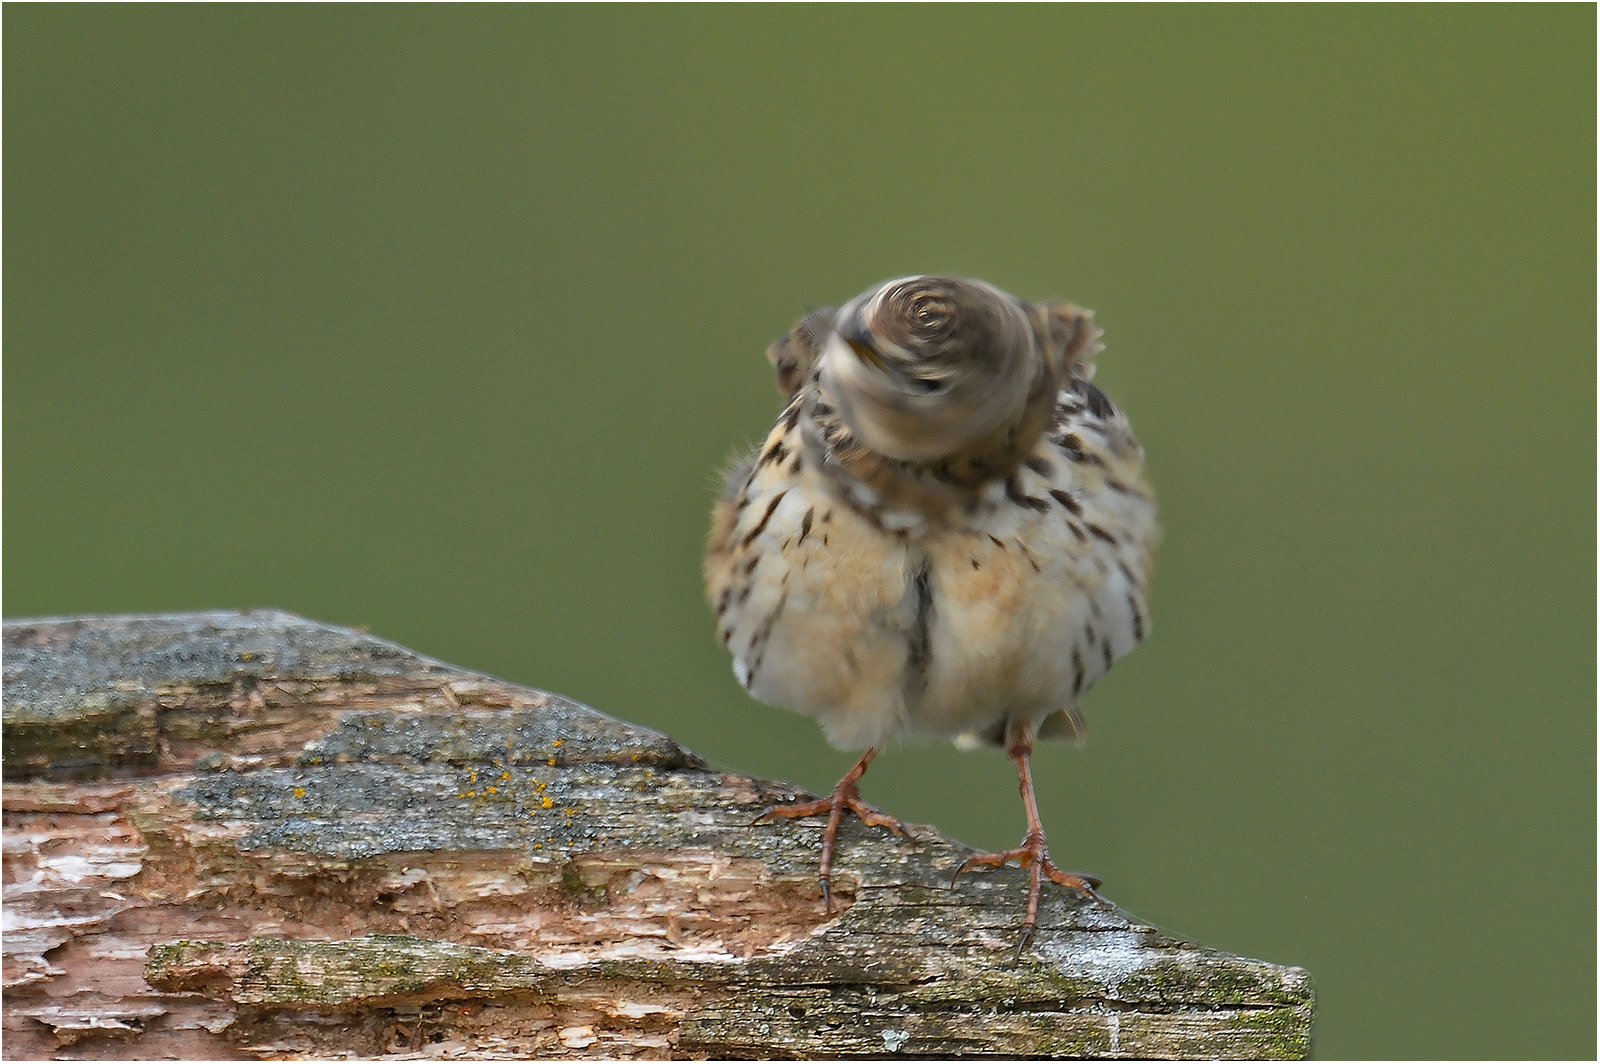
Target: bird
(948, 532)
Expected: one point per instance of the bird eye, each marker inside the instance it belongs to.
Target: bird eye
(926, 385)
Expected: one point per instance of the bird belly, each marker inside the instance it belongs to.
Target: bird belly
(1008, 612)
(820, 617)
(1007, 609)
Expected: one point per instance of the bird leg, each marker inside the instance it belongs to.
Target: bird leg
(1033, 854)
(846, 795)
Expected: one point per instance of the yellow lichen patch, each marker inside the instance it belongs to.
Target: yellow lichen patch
(299, 792)
(547, 803)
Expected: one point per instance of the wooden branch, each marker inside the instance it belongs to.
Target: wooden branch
(249, 835)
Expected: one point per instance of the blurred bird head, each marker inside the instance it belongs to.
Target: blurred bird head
(922, 367)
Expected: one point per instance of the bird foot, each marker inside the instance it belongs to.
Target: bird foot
(1035, 857)
(845, 796)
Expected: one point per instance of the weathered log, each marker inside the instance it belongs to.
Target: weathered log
(247, 834)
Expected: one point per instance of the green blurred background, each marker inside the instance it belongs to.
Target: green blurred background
(438, 321)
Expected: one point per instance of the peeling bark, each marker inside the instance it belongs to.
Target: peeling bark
(251, 835)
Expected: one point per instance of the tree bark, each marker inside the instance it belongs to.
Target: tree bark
(241, 835)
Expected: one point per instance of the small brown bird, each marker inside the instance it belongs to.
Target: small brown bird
(948, 531)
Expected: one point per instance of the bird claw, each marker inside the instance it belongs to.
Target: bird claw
(825, 807)
(1088, 886)
(1033, 856)
(845, 796)
(793, 809)
(1022, 942)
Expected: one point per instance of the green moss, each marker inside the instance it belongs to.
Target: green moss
(580, 889)
(1283, 1034)
(102, 734)
(165, 956)
(377, 967)
(1075, 1047)
(1217, 984)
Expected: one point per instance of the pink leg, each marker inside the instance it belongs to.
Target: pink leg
(1033, 854)
(846, 795)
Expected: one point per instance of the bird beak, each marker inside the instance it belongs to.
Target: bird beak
(859, 340)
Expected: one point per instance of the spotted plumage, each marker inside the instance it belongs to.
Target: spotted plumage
(947, 532)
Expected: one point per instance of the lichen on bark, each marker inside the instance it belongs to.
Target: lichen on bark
(247, 835)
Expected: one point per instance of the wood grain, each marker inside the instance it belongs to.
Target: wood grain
(246, 835)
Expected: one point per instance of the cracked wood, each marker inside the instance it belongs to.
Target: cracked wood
(245, 835)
